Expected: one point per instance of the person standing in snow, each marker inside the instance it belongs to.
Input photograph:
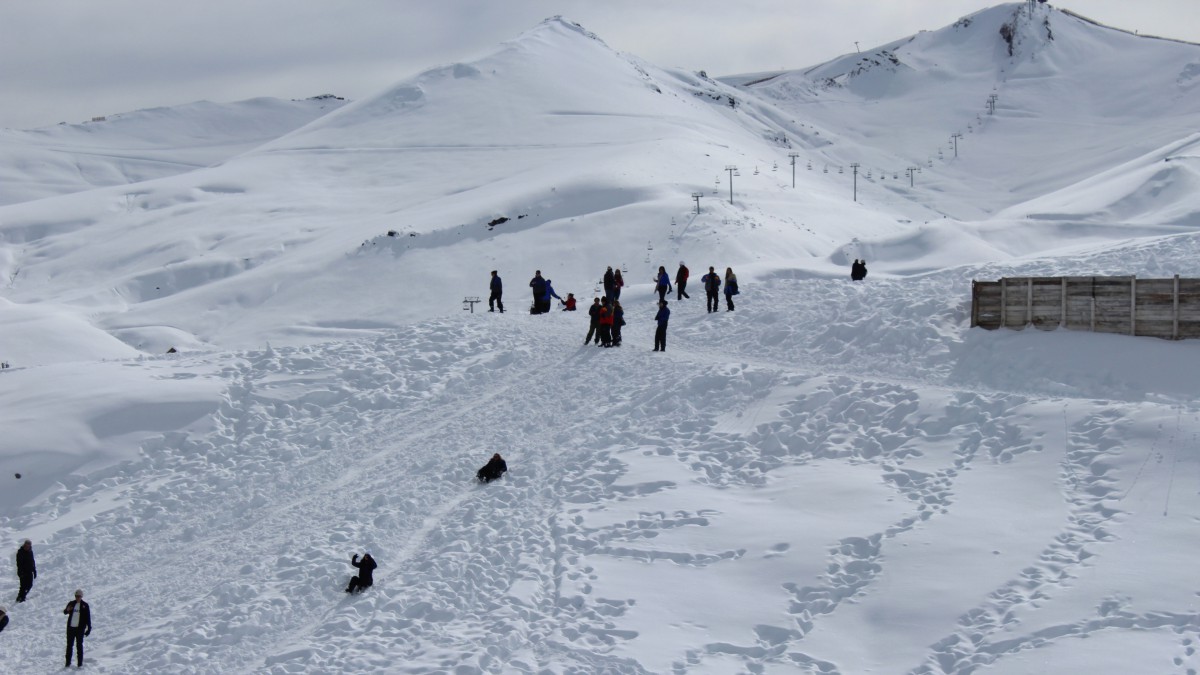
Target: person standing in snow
(79, 625)
(610, 284)
(731, 288)
(497, 288)
(26, 569)
(618, 283)
(594, 323)
(549, 294)
(538, 284)
(660, 333)
(366, 569)
(862, 270)
(681, 277)
(662, 283)
(618, 320)
(495, 468)
(712, 288)
(605, 318)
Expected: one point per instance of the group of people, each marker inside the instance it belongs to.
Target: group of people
(605, 319)
(606, 316)
(858, 270)
(79, 614)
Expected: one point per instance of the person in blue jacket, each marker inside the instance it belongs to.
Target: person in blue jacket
(662, 283)
(497, 291)
(660, 333)
(546, 298)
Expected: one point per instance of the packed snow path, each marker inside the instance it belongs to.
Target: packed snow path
(776, 493)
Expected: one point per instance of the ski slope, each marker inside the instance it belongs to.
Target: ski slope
(836, 477)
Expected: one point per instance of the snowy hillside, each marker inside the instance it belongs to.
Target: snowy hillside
(143, 145)
(834, 477)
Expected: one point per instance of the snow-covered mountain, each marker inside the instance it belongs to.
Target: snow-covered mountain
(835, 477)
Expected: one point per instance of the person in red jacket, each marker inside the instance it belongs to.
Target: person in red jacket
(605, 319)
(569, 303)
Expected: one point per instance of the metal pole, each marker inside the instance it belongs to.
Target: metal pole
(793, 155)
(955, 137)
(855, 166)
(731, 168)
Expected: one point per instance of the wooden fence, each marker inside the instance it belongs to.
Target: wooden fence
(1163, 308)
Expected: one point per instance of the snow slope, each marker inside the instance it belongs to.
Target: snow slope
(835, 477)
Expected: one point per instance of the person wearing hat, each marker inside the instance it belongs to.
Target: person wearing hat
(79, 625)
(3, 618)
(26, 569)
(681, 278)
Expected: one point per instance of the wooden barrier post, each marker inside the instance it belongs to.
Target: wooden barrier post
(1175, 310)
(1062, 316)
(1029, 302)
(1133, 305)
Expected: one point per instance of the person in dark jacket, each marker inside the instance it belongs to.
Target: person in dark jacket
(618, 284)
(610, 284)
(858, 271)
(731, 288)
(538, 284)
(594, 323)
(26, 569)
(495, 468)
(366, 568)
(497, 291)
(569, 303)
(681, 277)
(712, 288)
(79, 625)
(662, 283)
(3, 618)
(618, 314)
(660, 333)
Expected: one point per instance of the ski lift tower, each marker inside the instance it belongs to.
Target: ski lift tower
(732, 172)
(793, 155)
(697, 196)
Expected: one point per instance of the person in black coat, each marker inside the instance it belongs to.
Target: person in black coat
(79, 625)
(3, 619)
(497, 288)
(495, 468)
(538, 284)
(366, 568)
(26, 569)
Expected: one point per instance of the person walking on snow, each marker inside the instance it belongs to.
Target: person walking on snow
(79, 626)
(538, 284)
(26, 569)
(593, 323)
(497, 291)
(660, 333)
(712, 288)
(731, 288)
(681, 278)
(662, 283)
(366, 569)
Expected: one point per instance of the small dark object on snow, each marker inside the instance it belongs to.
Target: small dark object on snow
(393, 233)
(172, 351)
(495, 468)
(18, 476)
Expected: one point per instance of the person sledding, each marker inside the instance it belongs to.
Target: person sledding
(495, 468)
(366, 568)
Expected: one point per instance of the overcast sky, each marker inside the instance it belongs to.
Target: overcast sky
(70, 60)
